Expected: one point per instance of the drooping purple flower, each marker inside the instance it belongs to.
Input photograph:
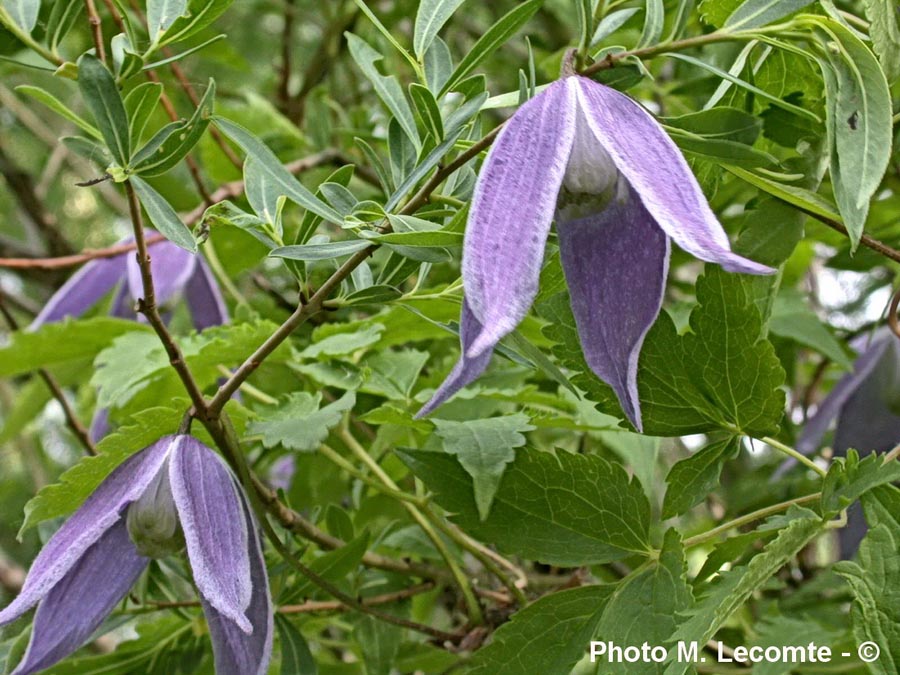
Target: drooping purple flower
(174, 493)
(176, 274)
(864, 407)
(619, 189)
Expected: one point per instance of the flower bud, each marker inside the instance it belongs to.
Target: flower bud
(152, 520)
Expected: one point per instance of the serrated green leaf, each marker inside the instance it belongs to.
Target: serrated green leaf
(755, 13)
(721, 375)
(74, 486)
(430, 18)
(163, 216)
(785, 631)
(393, 374)
(61, 342)
(644, 607)
(342, 344)
(735, 587)
(561, 509)
(849, 478)
(792, 318)
(525, 645)
(98, 87)
(885, 34)
(299, 423)
(691, 480)
(484, 448)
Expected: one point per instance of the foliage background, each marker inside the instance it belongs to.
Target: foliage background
(520, 464)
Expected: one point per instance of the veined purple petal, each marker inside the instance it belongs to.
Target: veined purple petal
(204, 298)
(615, 264)
(86, 526)
(512, 209)
(236, 652)
(658, 172)
(215, 529)
(99, 424)
(83, 290)
(171, 267)
(467, 368)
(70, 613)
(830, 407)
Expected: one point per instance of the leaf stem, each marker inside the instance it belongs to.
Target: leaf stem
(14, 28)
(790, 452)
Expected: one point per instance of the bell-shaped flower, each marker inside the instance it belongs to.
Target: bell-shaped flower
(176, 274)
(619, 189)
(176, 493)
(864, 407)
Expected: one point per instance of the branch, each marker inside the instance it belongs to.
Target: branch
(72, 420)
(96, 29)
(86, 255)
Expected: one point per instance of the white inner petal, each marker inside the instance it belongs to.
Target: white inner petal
(590, 169)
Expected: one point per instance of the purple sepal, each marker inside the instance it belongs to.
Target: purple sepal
(82, 291)
(204, 299)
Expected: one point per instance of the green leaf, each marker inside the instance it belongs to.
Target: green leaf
(342, 344)
(59, 108)
(291, 187)
(386, 87)
(158, 156)
(525, 645)
(296, 658)
(722, 122)
(427, 110)
(691, 480)
(493, 38)
(98, 87)
(61, 342)
(784, 631)
(161, 14)
(200, 14)
(849, 478)
(560, 509)
(644, 607)
(432, 239)
(332, 566)
(858, 118)
(23, 12)
(654, 18)
(885, 34)
(74, 486)
(163, 216)
(63, 16)
(792, 318)
(723, 374)
(139, 106)
(299, 423)
(118, 376)
(791, 194)
(737, 585)
(875, 582)
(612, 22)
(393, 374)
(430, 18)
(379, 644)
(756, 13)
(329, 251)
(484, 448)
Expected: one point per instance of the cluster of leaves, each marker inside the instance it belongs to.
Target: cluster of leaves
(573, 526)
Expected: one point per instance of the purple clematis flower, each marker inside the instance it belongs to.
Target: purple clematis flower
(176, 273)
(92, 561)
(619, 190)
(865, 407)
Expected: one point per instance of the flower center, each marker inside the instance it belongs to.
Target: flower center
(152, 520)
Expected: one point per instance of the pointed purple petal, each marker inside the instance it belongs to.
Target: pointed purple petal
(830, 407)
(866, 421)
(467, 368)
(123, 304)
(204, 298)
(70, 613)
(214, 528)
(236, 652)
(171, 267)
(615, 264)
(658, 172)
(99, 424)
(82, 291)
(512, 209)
(86, 526)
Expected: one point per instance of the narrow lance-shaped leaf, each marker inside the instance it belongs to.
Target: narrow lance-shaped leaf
(161, 14)
(23, 12)
(163, 216)
(98, 87)
(756, 13)
(430, 18)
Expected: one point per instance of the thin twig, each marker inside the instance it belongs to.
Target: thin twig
(86, 255)
(96, 29)
(72, 421)
(332, 606)
(287, 39)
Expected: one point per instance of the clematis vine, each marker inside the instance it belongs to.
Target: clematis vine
(864, 407)
(176, 274)
(176, 493)
(619, 189)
